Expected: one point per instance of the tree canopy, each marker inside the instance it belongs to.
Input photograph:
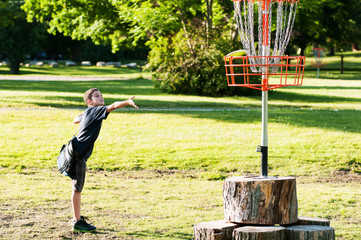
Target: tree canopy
(18, 38)
(115, 22)
(188, 38)
(119, 22)
(330, 23)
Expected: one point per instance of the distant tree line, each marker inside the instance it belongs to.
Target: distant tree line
(187, 39)
(21, 40)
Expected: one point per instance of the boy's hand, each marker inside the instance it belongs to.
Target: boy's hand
(118, 105)
(131, 103)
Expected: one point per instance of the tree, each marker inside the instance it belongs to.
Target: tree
(183, 35)
(330, 23)
(18, 38)
(103, 21)
(343, 22)
(191, 60)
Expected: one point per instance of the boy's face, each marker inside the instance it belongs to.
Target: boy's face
(97, 99)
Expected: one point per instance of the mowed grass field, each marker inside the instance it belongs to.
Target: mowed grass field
(157, 171)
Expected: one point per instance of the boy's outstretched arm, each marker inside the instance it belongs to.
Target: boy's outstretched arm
(117, 105)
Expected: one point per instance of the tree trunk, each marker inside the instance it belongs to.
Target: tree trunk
(310, 232)
(14, 67)
(260, 200)
(214, 230)
(255, 233)
(313, 221)
(209, 18)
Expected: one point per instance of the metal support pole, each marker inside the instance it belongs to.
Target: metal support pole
(264, 137)
(265, 50)
(263, 148)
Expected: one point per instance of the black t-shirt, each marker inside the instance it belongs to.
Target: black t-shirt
(90, 124)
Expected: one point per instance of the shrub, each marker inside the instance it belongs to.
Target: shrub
(192, 66)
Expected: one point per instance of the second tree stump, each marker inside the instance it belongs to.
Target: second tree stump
(260, 200)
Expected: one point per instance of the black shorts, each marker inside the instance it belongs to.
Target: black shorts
(79, 179)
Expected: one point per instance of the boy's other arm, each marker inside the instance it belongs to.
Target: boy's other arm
(120, 104)
(77, 119)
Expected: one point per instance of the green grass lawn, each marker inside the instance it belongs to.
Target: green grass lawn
(157, 171)
(108, 71)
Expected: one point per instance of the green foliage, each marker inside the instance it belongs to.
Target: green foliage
(191, 61)
(18, 38)
(9, 10)
(103, 21)
(327, 23)
(190, 36)
(187, 56)
(197, 70)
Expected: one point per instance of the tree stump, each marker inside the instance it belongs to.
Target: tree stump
(313, 221)
(214, 230)
(260, 200)
(310, 232)
(256, 233)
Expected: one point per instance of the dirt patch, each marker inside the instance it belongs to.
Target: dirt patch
(337, 177)
(342, 177)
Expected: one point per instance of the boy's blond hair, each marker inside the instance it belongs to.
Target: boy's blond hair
(88, 95)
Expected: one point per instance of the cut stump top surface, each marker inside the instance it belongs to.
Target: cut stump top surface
(216, 224)
(261, 229)
(257, 178)
(309, 228)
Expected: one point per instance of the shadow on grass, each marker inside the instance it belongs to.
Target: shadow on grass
(68, 102)
(68, 71)
(348, 74)
(145, 87)
(342, 120)
(326, 87)
(128, 87)
(311, 98)
(287, 97)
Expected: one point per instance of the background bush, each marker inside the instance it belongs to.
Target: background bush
(192, 66)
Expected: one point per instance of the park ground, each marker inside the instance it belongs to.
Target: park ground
(159, 170)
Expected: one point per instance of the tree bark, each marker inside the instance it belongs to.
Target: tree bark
(255, 233)
(14, 67)
(310, 232)
(260, 200)
(214, 230)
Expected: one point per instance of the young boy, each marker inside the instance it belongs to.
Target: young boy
(90, 123)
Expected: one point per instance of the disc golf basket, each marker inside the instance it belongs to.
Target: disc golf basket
(260, 59)
(319, 55)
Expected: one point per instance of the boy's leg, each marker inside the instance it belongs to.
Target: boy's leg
(75, 202)
(78, 184)
(79, 224)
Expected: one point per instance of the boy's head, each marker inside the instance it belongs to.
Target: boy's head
(93, 98)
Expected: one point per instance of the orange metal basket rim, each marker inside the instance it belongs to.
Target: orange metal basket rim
(264, 87)
(246, 57)
(239, 69)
